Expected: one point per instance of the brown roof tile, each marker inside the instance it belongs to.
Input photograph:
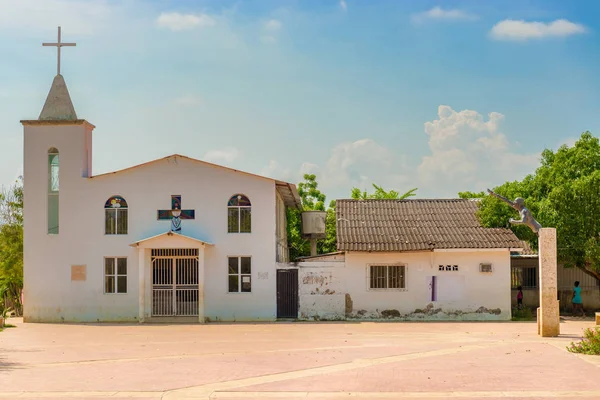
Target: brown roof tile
(412, 225)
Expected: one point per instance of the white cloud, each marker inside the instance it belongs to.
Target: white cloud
(469, 153)
(522, 30)
(273, 25)
(343, 5)
(439, 14)
(276, 171)
(360, 164)
(222, 156)
(179, 22)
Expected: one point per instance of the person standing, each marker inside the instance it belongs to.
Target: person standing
(520, 298)
(577, 301)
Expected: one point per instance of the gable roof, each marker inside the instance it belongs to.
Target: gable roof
(170, 234)
(288, 191)
(414, 225)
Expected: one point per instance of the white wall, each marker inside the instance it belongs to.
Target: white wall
(49, 293)
(466, 294)
(322, 290)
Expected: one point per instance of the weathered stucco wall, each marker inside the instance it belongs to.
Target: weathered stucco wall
(466, 294)
(321, 290)
(49, 292)
(334, 290)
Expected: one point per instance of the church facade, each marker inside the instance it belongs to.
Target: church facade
(174, 238)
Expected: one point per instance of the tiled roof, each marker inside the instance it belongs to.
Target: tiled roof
(527, 251)
(413, 225)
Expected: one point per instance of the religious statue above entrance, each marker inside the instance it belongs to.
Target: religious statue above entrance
(176, 214)
(519, 205)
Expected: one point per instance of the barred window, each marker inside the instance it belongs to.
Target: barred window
(525, 277)
(387, 277)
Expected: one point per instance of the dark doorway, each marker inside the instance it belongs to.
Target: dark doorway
(287, 293)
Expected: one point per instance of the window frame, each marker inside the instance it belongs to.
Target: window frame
(116, 275)
(52, 151)
(116, 210)
(239, 213)
(239, 274)
(387, 265)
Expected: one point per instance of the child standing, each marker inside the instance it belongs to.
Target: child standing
(520, 298)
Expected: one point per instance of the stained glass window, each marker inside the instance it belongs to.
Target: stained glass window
(53, 179)
(239, 214)
(115, 216)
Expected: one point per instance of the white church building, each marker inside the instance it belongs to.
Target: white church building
(174, 237)
(179, 239)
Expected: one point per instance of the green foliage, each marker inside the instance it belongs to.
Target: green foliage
(590, 344)
(380, 193)
(564, 192)
(11, 246)
(523, 314)
(471, 195)
(312, 199)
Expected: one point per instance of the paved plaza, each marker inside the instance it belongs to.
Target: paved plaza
(342, 360)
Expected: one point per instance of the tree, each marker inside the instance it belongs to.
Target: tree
(564, 192)
(471, 195)
(312, 199)
(380, 193)
(11, 245)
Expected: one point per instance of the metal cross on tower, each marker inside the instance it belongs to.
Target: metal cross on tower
(58, 45)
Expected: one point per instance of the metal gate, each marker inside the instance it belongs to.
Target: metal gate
(287, 293)
(174, 282)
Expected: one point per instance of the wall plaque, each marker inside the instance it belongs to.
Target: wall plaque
(78, 272)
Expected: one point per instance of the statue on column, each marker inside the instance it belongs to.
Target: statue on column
(519, 205)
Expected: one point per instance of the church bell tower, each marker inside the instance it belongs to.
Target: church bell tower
(57, 161)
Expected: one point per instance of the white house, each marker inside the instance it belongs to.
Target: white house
(410, 260)
(172, 238)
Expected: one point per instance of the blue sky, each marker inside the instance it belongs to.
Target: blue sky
(441, 95)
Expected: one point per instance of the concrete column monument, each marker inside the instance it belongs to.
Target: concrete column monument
(548, 318)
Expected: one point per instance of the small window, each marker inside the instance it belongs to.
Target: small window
(485, 268)
(115, 275)
(53, 183)
(115, 216)
(240, 274)
(448, 268)
(239, 214)
(387, 277)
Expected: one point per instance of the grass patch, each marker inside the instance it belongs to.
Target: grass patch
(523, 314)
(590, 344)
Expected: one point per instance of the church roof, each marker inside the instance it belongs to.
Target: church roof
(288, 191)
(170, 234)
(58, 106)
(416, 225)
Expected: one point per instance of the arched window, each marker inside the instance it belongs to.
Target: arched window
(115, 216)
(239, 214)
(53, 174)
